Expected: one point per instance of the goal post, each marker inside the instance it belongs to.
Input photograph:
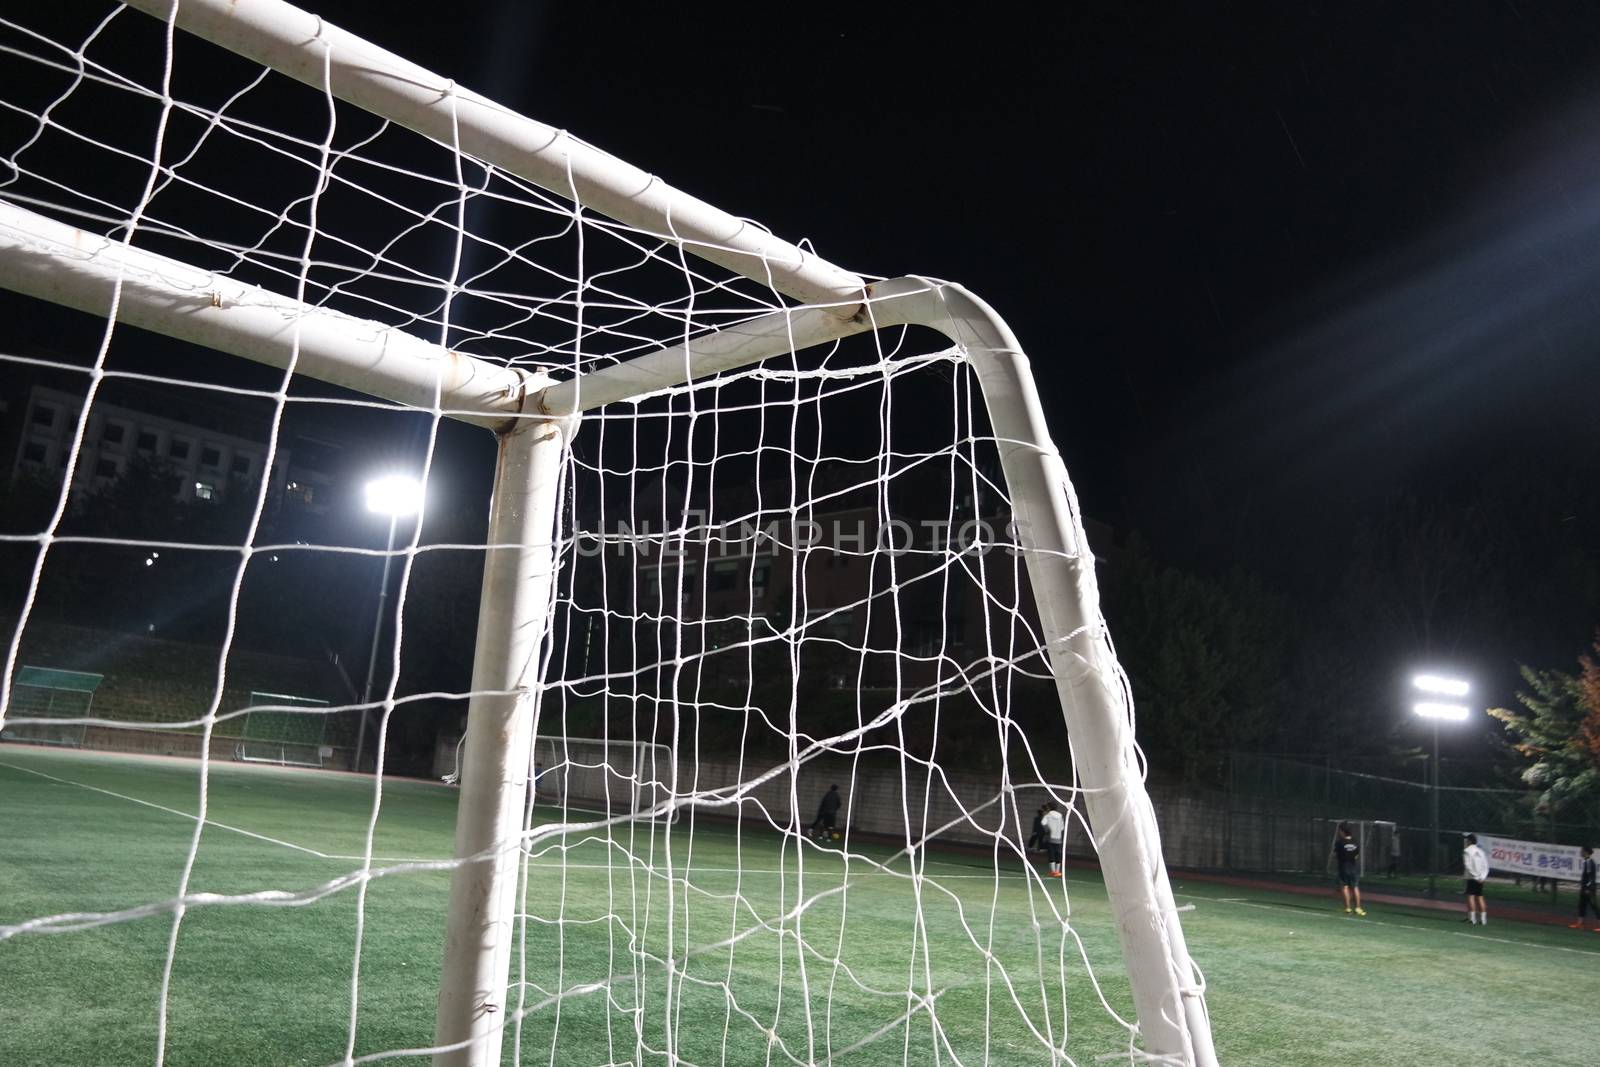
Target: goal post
(667, 362)
(502, 718)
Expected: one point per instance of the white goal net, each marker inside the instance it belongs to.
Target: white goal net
(771, 548)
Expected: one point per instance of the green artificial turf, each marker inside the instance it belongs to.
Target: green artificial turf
(1291, 979)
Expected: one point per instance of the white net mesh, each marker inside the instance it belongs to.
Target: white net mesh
(771, 581)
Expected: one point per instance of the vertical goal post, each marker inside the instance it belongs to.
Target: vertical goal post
(535, 417)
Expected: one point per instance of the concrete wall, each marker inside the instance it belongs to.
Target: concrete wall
(1199, 829)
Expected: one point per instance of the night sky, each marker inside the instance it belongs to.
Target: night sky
(1272, 265)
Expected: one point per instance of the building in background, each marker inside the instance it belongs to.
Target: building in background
(216, 443)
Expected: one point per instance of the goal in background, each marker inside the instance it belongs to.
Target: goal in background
(597, 776)
(1376, 838)
(763, 525)
(273, 733)
(45, 693)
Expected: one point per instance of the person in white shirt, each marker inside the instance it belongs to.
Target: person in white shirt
(1476, 866)
(1055, 832)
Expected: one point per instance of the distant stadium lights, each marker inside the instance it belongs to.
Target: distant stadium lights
(394, 496)
(1432, 683)
(1453, 712)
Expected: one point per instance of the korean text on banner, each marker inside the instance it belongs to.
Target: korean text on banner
(1532, 857)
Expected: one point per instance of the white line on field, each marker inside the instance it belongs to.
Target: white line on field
(334, 856)
(209, 822)
(1396, 925)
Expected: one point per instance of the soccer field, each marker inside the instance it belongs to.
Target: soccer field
(1291, 980)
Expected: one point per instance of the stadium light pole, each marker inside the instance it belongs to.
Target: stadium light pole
(395, 496)
(1435, 712)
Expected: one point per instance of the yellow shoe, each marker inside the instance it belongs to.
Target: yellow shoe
(1347, 911)
(1361, 912)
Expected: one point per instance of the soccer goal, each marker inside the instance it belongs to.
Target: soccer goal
(600, 776)
(763, 530)
(274, 732)
(1377, 840)
(42, 694)
(597, 775)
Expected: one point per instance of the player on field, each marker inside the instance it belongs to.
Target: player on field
(827, 813)
(1348, 853)
(1036, 838)
(1055, 833)
(1476, 866)
(1586, 901)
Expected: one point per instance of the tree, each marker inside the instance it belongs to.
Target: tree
(1589, 686)
(1206, 659)
(1555, 730)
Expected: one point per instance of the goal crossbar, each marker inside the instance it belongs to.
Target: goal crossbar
(311, 50)
(65, 265)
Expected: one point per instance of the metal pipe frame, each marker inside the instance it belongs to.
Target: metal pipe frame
(502, 721)
(57, 263)
(1167, 991)
(65, 265)
(53, 262)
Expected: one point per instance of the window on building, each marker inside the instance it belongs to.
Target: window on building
(204, 490)
(300, 492)
(178, 448)
(211, 457)
(147, 441)
(241, 465)
(759, 573)
(112, 433)
(724, 575)
(35, 452)
(43, 416)
(105, 468)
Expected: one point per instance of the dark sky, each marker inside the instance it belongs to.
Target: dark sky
(1272, 264)
(1267, 261)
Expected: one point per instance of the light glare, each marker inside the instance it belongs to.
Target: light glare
(395, 496)
(1453, 712)
(1432, 683)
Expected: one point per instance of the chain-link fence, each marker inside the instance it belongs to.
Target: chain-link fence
(1278, 816)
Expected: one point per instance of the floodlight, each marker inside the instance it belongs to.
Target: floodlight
(394, 496)
(1453, 712)
(1432, 683)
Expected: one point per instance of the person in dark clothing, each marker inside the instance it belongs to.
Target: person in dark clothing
(1348, 853)
(1586, 901)
(827, 814)
(1036, 839)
